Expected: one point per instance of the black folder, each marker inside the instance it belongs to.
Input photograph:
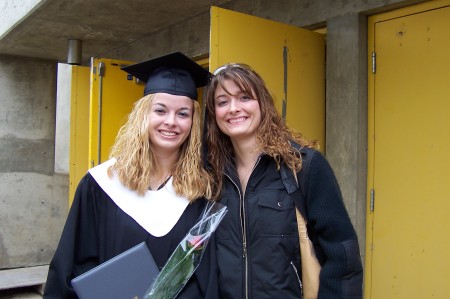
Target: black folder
(126, 276)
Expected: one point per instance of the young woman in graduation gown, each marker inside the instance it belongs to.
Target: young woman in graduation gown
(152, 189)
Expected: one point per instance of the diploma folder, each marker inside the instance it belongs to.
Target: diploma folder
(128, 275)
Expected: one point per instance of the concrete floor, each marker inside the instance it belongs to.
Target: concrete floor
(20, 293)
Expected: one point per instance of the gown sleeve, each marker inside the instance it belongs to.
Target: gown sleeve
(207, 271)
(73, 257)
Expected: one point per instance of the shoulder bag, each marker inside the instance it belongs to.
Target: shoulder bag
(310, 265)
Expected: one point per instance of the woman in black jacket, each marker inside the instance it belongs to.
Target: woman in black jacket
(257, 242)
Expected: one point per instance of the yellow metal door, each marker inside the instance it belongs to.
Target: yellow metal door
(112, 96)
(409, 161)
(79, 127)
(291, 60)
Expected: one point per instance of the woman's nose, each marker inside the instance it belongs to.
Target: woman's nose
(234, 105)
(170, 119)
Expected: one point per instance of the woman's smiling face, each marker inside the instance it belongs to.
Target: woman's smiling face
(170, 122)
(237, 115)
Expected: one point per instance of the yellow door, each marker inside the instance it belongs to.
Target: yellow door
(409, 161)
(291, 60)
(79, 127)
(112, 96)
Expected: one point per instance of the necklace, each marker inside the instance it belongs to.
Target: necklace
(157, 186)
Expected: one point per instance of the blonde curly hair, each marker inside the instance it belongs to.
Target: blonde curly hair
(136, 161)
(273, 136)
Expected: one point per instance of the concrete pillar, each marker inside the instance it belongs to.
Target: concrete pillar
(346, 112)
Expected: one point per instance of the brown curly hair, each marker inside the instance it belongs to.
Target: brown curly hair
(273, 137)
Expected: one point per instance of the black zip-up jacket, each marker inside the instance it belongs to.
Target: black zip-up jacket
(257, 242)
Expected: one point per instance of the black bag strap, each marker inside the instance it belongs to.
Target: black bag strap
(296, 187)
(298, 192)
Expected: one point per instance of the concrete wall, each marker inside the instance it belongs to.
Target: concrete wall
(33, 200)
(17, 10)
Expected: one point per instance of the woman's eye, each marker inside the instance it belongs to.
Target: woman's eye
(245, 98)
(159, 110)
(221, 102)
(184, 114)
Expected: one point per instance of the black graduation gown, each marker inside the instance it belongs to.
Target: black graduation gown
(96, 230)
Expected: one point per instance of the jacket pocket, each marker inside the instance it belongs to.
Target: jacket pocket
(276, 215)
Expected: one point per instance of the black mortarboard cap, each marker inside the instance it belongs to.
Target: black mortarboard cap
(173, 73)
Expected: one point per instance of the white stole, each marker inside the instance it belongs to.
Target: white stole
(157, 211)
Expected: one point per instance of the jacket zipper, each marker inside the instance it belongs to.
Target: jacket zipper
(244, 237)
(244, 227)
(298, 277)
